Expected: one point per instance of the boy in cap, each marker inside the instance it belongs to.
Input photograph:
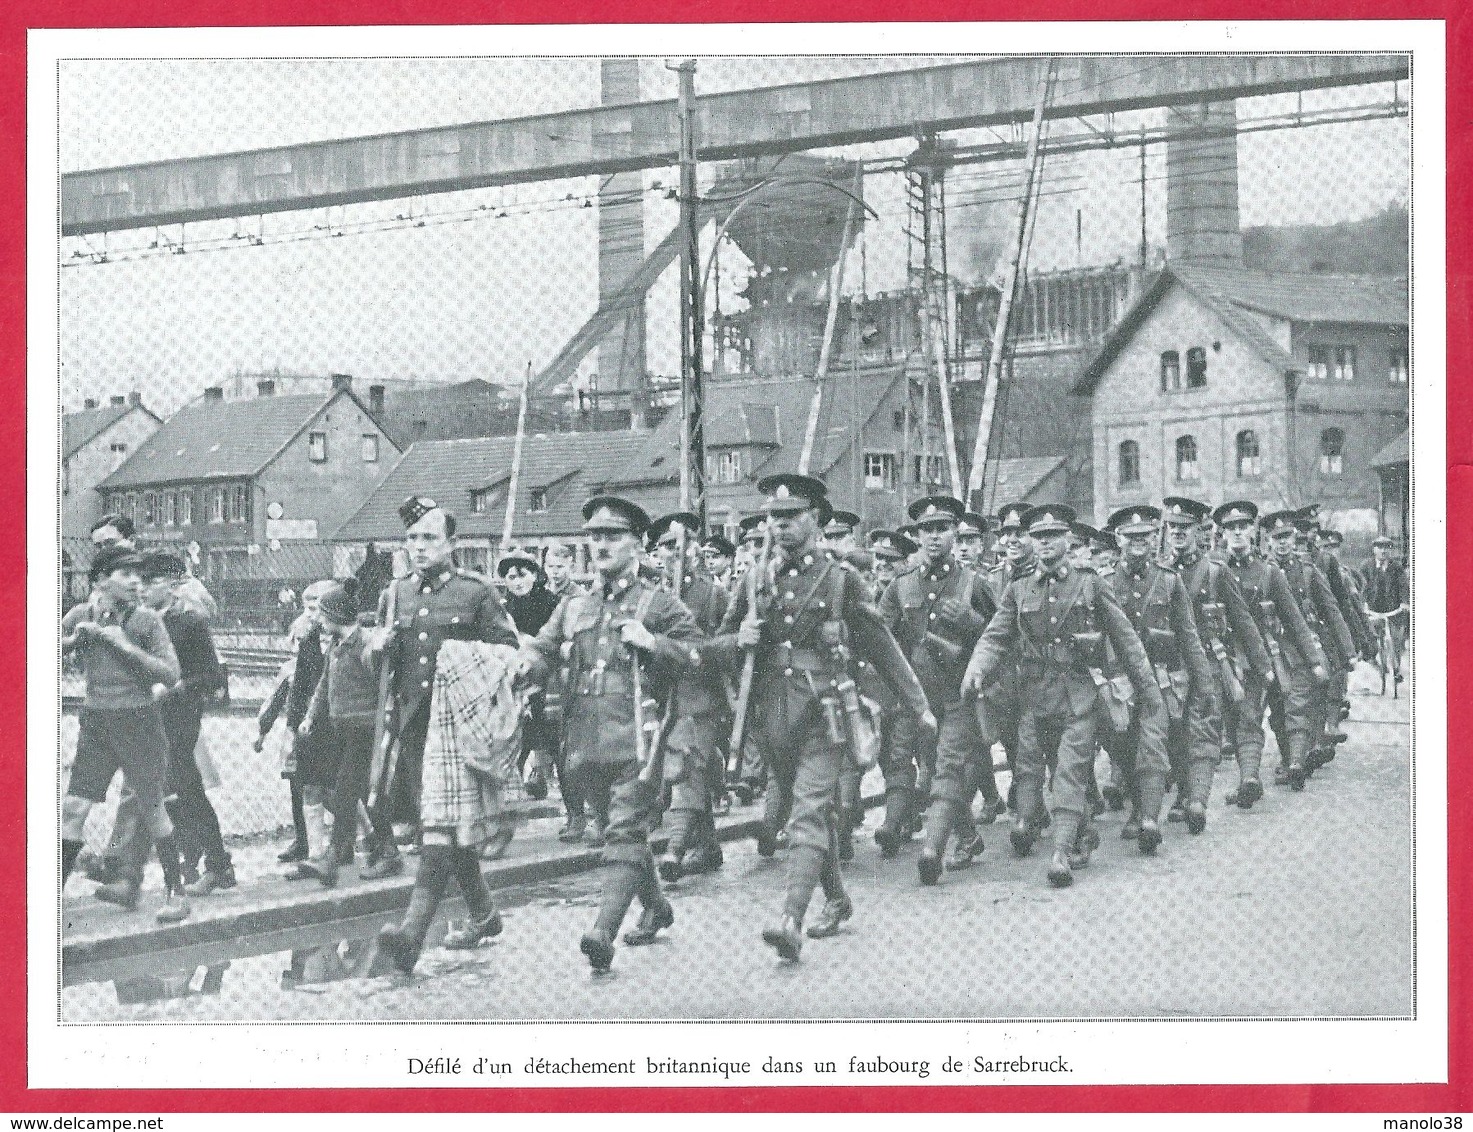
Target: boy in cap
(529, 603)
(809, 619)
(936, 612)
(126, 653)
(1054, 625)
(628, 642)
(1387, 596)
(719, 554)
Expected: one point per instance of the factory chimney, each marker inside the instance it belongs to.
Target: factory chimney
(621, 354)
(1202, 224)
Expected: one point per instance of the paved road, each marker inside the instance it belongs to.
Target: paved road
(1300, 907)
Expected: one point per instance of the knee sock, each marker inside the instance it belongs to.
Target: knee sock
(299, 820)
(805, 870)
(478, 899)
(69, 851)
(829, 878)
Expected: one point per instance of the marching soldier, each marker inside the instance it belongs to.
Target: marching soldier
(841, 533)
(1104, 553)
(936, 613)
(1230, 639)
(1292, 651)
(718, 553)
(1054, 624)
(627, 644)
(809, 620)
(1001, 703)
(437, 602)
(971, 541)
(1153, 598)
(696, 775)
(1344, 586)
(1296, 710)
(892, 551)
(1322, 611)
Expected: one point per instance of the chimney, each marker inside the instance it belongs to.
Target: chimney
(376, 400)
(1202, 223)
(621, 351)
(119, 399)
(215, 393)
(341, 381)
(90, 403)
(135, 399)
(265, 387)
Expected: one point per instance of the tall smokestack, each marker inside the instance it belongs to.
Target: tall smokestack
(1202, 186)
(621, 354)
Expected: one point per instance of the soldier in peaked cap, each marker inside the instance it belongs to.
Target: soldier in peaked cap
(437, 602)
(1297, 712)
(840, 533)
(1234, 649)
(696, 778)
(936, 613)
(1104, 553)
(1153, 599)
(1292, 650)
(810, 619)
(1082, 538)
(892, 550)
(971, 540)
(719, 553)
(627, 644)
(1054, 624)
(1001, 703)
(1344, 586)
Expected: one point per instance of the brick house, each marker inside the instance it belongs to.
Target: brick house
(94, 442)
(231, 481)
(1225, 383)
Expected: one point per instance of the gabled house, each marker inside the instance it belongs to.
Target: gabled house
(94, 442)
(227, 480)
(1224, 383)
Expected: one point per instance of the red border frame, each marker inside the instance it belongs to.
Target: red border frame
(1454, 1097)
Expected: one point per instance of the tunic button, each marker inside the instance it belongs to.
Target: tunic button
(424, 636)
(1052, 620)
(787, 671)
(788, 619)
(933, 617)
(424, 683)
(455, 620)
(425, 590)
(424, 660)
(424, 612)
(931, 596)
(790, 595)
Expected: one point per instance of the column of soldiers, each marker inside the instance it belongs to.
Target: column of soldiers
(689, 670)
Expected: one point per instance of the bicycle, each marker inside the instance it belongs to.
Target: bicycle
(1387, 659)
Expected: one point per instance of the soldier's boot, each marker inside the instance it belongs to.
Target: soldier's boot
(1066, 832)
(655, 914)
(573, 831)
(833, 914)
(1196, 816)
(1298, 773)
(805, 872)
(1132, 827)
(939, 820)
(383, 861)
(402, 942)
(1023, 834)
(485, 917)
(895, 829)
(671, 866)
(1249, 791)
(968, 845)
(917, 823)
(1084, 845)
(618, 893)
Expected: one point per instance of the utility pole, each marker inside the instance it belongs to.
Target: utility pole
(1143, 200)
(692, 330)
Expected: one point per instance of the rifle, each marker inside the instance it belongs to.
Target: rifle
(1215, 616)
(652, 768)
(386, 746)
(749, 663)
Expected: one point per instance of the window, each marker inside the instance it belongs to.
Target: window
(1344, 363)
(879, 471)
(370, 448)
(240, 503)
(1170, 372)
(931, 470)
(130, 508)
(1396, 372)
(724, 466)
(217, 504)
(317, 447)
(538, 500)
(899, 418)
(151, 508)
(186, 507)
(472, 558)
(1321, 361)
(1196, 368)
(168, 510)
(1332, 452)
(1130, 462)
(1187, 470)
(118, 446)
(1250, 464)
(1332, 363)
(478, 502)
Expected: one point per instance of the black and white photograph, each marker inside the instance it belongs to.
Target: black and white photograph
(733, 536)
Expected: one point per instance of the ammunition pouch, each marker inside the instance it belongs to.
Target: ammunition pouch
(1214, 613)
(1088, 649)
(1161, 647)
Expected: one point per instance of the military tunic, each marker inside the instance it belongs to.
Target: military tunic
(1322, 614)
(1034, 629)
(598, 697)
(1293, 654)
(443, 604)
(796, 665)
(938, 647)
(1001, 705)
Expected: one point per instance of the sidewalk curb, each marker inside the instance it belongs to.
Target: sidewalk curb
(325, 905)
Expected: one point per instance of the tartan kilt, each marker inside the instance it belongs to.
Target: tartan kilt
(473, 741)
